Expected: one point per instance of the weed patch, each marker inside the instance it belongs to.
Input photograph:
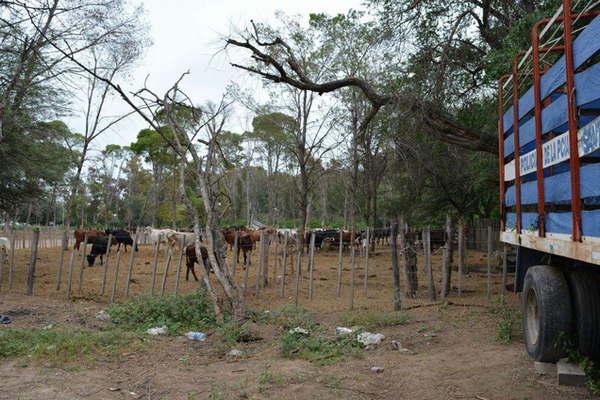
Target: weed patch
(505, 323)
(59, 345)
(178, 313)
(318, 348)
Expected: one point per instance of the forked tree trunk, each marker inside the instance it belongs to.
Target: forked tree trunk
(219, 264)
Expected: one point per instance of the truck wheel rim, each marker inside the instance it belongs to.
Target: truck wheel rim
(533, 319)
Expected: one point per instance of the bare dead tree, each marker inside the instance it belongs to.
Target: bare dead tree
(275, 61)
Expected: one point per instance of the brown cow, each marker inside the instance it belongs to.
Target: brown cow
(92, 235)
(229, 234)
(255, 234)
(191, 259)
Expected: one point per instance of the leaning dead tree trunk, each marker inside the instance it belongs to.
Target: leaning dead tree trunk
(409, 260)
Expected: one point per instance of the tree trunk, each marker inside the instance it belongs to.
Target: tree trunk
(174, 202)
(155, 195)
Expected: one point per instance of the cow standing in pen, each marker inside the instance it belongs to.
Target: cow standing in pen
(121, 237)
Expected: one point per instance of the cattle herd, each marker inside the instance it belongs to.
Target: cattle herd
(246, 240)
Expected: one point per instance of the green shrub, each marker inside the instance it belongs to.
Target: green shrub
(178, 313)
(371, 319)
(61, 345)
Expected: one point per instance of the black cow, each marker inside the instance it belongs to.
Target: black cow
(120, 237)
(320, 236)
(99, 248)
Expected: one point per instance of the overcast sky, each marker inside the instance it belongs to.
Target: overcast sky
(187, 35)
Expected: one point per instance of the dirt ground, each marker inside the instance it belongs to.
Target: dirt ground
(456, 354)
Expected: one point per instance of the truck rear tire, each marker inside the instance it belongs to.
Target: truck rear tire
(547, 312)
(586, 310)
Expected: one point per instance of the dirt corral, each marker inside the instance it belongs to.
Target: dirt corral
(454, 349)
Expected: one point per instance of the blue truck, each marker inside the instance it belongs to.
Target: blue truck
(549, 167)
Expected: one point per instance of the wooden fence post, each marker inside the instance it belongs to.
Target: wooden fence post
(366, 282)
(397, 300)
(179, 261)
(82, 264)
(299, 251)
(461, 254)
(31, 271)
(70, 273)
(246, 272)
(261, 261)
(155, 263)
(338, 290)
(63, 248)
(504, 271)
(11, 265)
(428, 265)
(265, 267)
(409, 260)
(284, 264)
(311, 262)
(116, 276)
(489, 263)
(130, 265)
(352, 269)
(236, 239)
(276, 261)
(447, 260)
(164, 279)
(1, 267)
(105, 269)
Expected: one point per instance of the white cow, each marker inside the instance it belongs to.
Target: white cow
(292, 233)
(188, 237)
(159, 235)
(170, 236)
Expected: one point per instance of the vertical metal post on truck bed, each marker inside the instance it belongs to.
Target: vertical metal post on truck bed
(501, 149)
(516, 142)
(539, 156)
(572, 112)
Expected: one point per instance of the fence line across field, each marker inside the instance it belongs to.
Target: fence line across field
(267, 274)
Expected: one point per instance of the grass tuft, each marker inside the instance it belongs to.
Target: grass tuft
(290, 316)
(506, 318)
(372, 319)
